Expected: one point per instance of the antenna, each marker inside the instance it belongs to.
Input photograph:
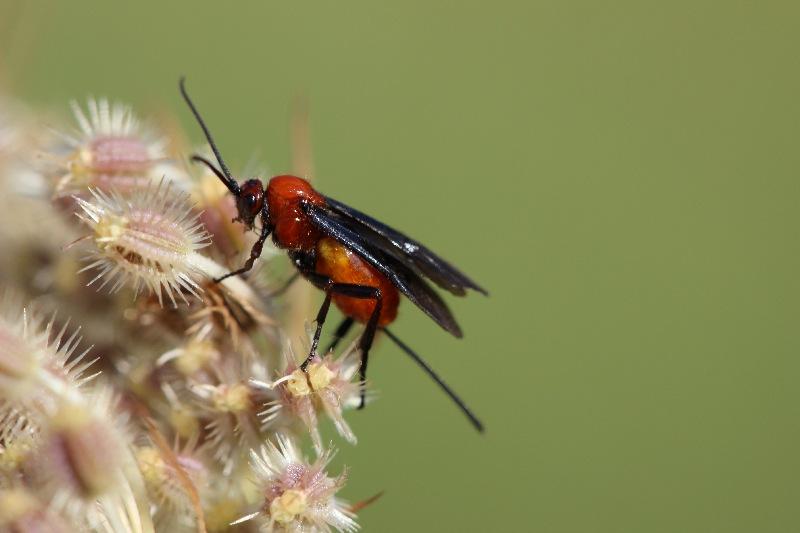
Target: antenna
(227, 179)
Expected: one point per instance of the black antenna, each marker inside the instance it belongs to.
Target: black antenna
(428, 370)
(200, 159)
(227, 179)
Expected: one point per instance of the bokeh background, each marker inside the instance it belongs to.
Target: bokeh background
(623, 178)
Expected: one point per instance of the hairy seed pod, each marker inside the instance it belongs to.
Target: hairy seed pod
(148, 240)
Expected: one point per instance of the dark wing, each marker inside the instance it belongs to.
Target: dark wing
(408, 250)
(374, 249)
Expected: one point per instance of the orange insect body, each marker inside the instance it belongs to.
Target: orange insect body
(343, 266)
(293, 230)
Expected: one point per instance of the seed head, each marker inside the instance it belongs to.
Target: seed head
(230, 410)
(111, 150)
(297, 495)
(194, 355)
(32, 354)
(166, 487)
(326, 385)
(82, 452)
(148, 240)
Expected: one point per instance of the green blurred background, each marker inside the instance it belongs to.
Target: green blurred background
(623, 178)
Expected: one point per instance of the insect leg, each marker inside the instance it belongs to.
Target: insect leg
(345, 289)
(341, 331)
(353, 291)
(255, 252)
(283, 288)
(365, 343)
(433, 375)
(322, 314)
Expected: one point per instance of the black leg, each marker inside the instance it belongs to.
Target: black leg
(322, 314)
(283, 288)
(364, 344)
(353, 291)
(428, 370)
(341, 331)
(345, 289)
(255, 252)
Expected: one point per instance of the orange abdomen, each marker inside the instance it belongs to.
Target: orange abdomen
(344, 266)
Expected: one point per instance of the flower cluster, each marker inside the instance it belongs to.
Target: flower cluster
(166, 402)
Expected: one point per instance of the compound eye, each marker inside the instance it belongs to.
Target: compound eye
(250, 201)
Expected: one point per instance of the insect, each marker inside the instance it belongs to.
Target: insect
(362, 265)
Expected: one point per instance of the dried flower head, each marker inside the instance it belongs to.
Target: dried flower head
(297, 496)
(171, 490)
(327, 385)
(81, 453)
(149, 240)
(230, 410)
(194, 354)
(111, 150)
(205, 385)
(31, 355)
